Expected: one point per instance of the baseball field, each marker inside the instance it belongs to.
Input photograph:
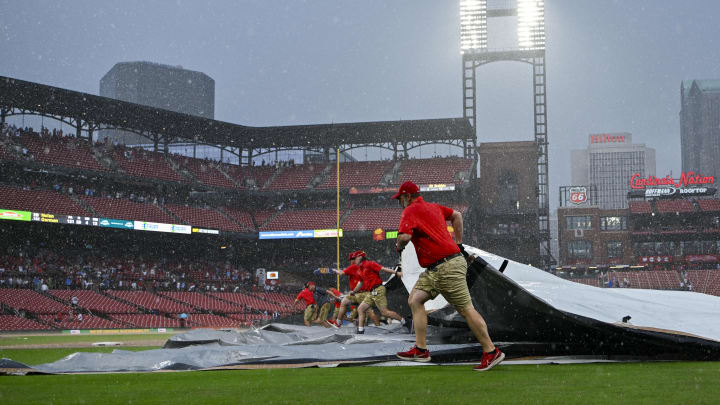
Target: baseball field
(606, 383)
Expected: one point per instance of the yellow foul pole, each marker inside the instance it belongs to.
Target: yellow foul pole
(337, 197)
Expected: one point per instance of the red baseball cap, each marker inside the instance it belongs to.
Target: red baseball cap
(310, 284)
(407, 188)
(357, 253)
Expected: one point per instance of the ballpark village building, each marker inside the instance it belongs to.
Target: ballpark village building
(666, 226)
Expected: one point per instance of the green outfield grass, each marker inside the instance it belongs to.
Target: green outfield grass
(39, 356)
(13, 340)
(620, 383)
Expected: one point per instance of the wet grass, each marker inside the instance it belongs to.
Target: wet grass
(608, 383)
(14, 340)
(33, 357)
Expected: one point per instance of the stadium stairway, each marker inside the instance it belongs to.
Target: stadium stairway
(84, 204)
(12, 149)
(322, 177)
(105, 160)
(172, 214)
(272, 178)
(177, 168)
(393, 175)
(229, 177)
(231, 219)
(132, 304)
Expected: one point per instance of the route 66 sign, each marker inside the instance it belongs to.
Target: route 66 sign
(578, 195)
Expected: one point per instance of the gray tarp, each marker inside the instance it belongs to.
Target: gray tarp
(279, 344)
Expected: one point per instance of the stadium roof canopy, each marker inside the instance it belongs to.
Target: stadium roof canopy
(19, 96)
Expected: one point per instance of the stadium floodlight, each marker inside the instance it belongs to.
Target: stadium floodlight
(531, 24)
(473, 25)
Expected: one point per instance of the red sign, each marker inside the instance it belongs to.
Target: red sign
(702, 258)
(686, 179)
(656, 259)
(605, 138)
(578, 195)
(379, 234)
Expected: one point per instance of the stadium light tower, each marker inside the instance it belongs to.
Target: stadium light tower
(530, 49)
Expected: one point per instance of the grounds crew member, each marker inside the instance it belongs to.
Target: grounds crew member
(325, 299)
(354, 272)
(375, 290)
(446, 267)
(311, 307)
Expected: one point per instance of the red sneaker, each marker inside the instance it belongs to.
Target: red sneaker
(334, 324)
(490, 360)
(415, 355)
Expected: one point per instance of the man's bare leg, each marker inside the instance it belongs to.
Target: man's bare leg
(341, 311)
(478, 326)
(374, 316)
(361, 314)
(390, 314)
(417, 301)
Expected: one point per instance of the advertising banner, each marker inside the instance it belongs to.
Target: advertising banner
(702, 258)
(393, 189)
(327, 233)
(207, 231)
(159, 227)
(14, 215)
(286, 234)
(116, 223)
(656, 259)
(379, 234)
(437, 187)
(64, 219)
(272, 275)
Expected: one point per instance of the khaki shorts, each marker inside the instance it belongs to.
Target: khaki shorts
(325, 311)
(377, 297)
(336, 312)
(309, 312)
(356, 299)
(447, 279)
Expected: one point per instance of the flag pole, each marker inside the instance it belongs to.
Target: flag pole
(337, 198)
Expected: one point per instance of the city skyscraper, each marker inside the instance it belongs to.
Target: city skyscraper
(700, 126)
(608, 163)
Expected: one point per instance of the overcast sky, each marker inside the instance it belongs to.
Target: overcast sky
(612, 65)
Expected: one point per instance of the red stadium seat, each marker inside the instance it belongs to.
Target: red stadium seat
(672, 206)
(204, 301)
(296, 178)
(31, 301)
(203, 217)
(357, 174)
(206, 172)
(709, 205)
(302, 219)
(49, 202)
(64, 151)
(147, 320)
(94, 302)
(640, 207)
(124, 209)
(434, 171)
(12, 322)
(151, 301)
(88, 322)
(144, 163)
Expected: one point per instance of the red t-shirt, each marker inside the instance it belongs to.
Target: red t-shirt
(355, 274)
(306, 295)
(337, 294)
(426, 223)
(371, 275)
